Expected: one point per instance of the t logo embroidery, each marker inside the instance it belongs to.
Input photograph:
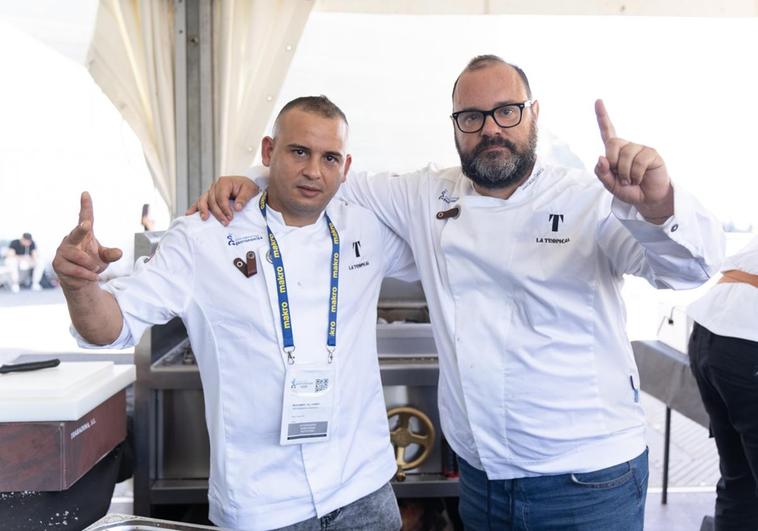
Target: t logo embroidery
(357, 248)
(556, 219)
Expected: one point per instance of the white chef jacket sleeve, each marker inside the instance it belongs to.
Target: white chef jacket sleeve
(682, 253)
(390, 196)
(259, 175)
(398, 258)
(158, 289)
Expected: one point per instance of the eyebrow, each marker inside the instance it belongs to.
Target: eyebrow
(497, 104)
(298, 146)
(335, 154)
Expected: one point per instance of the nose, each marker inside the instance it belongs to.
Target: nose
(312, 169)
(490, 127)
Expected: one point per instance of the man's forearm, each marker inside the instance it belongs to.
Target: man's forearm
(94, 313)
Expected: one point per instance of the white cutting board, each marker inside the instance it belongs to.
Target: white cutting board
(65, 392)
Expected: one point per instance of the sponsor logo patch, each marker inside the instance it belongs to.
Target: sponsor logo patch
(231, 240)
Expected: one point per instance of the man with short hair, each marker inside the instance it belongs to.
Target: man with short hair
(522, 265)
(283, 327)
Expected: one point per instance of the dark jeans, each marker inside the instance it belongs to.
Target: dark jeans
(726, 370)
(609, 499)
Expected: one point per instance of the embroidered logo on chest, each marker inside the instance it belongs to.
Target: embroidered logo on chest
(231, 240)
(362, 262)
(555, 221)
(446, 197)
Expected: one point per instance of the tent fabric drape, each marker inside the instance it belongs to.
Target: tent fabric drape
(253, 44)
(131, 58)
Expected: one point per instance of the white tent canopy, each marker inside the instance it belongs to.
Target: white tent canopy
(132, 52)
(132, 56)
(657, 8)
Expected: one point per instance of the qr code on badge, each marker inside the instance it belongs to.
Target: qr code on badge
(322, 384)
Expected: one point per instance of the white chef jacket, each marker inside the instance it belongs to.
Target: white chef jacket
(537, 375)
(731, 308)
(234, 328)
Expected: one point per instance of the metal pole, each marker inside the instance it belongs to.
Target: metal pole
(193, 100)
(666, 447)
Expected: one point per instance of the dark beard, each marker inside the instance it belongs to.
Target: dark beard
(492, 172)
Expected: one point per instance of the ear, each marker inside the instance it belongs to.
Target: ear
(267, 147)
(348, 162)
(536, 109)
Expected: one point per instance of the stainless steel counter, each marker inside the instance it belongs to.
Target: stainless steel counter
(665, 374)
(125, 522)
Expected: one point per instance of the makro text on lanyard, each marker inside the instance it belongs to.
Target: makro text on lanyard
(281, 288)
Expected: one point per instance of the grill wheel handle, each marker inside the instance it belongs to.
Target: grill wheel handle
(403, 436)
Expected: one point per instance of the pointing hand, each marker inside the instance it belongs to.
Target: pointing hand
(80, 257)
(633, 173)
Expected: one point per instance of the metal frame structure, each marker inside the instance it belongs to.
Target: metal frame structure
(193, 100)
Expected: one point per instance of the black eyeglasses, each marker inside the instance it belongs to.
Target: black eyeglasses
(505, 116)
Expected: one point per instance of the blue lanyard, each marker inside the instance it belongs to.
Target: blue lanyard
(281, 288)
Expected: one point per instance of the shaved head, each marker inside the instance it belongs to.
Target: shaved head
(319, 105)
(483, 61)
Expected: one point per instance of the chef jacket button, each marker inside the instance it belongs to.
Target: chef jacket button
(674, 227)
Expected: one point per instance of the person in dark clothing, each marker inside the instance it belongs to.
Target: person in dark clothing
(723, 352)
(22, 262)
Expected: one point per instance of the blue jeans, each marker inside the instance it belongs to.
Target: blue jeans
(609, 499)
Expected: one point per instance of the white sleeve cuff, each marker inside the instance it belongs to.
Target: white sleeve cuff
(642, 229)
(122, 341)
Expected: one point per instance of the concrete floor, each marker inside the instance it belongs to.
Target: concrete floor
(693, 471)
(683, 512)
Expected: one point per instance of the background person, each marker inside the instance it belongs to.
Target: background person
(22, 260)
(147, 222)
(723, 351)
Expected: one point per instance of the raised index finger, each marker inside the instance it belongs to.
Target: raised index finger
(607, 131)
(86, 212)
(76, 236)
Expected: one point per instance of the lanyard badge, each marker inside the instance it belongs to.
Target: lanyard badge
(308, 403)
(308, 397)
